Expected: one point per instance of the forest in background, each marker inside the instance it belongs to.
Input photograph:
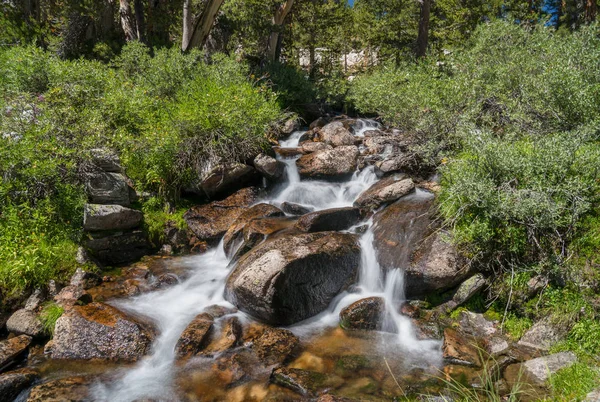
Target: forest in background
(503, 96)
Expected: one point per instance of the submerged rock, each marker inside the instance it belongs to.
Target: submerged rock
(275, 345)
(385, 191)
(210, 222)
(63, 389)
(195, 336)
(13, 382)
(110, 217)
(406, 236)
(227, 178)
(100, 331)
(303, 382)
(234, 234)
(329, 219)
(293, 277)
(334, 163)
(269, 167)
(13, 348)
(366, 314)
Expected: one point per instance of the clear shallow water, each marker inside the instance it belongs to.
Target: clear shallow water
(172, 309)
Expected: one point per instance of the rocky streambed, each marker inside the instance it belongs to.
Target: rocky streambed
(310, 286)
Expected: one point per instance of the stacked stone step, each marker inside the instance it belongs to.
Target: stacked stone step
(113, 229)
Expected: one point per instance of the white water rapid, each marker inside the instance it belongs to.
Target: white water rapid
(173, 308)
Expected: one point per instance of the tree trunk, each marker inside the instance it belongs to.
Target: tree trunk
(423, 37)
(201, 27)
(187, 24)
(128, 21)
(274, 38)
(591, 10)
(139, 20)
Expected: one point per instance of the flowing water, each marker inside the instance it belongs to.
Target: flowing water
(172, 309)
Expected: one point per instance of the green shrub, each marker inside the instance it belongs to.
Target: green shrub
(574, 383)
(49, 315)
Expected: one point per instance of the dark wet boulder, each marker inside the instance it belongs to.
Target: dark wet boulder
(25, 322)
(195, 336)
(227, 178)
(210, 222)
(335, 134)
(234, 234)
(119, 248)
(275, 345)
(63, 389)
(334, 163)
(98, 217)
(366, 314)
(329, 219)
(293, 277)
(295, 209)
(407, 236)
(100, 331)
(13, 382)
(260, 229)
(269, 167)
(12, 349)
(385, 191)
(109, 188)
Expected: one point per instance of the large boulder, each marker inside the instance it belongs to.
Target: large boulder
(329, 219)
(334, 163)
(119, 248)
(335, 134)
(227, 178)
(13, 348)
(406, 237)
(234, 234)
(293, 277)
(108, 188)
(195, 336)
(385, 191)
(366, 314)
(401, 162)
(308, 147)
(538, 371)
(210, 222)
(100, 331)
(269, 167)
(260, 229)
(542, 336)
(106, 160)
(97, 217)
(25, 322)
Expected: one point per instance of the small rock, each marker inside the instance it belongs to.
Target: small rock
(195, 336)
(227, 178)
(269, 167)
(460, 348)
(82, 256)
(13, 348)
(211, 221)
(366, 314)
(475, 324)
(72, 295)
(287, 152)
(335, 134)
(538, 371)
(108, 188)
(106, 160)
(542, 336)
(233, 368)
(35, 300)
(53, 288)
(294, 209)
(385, 191)
(536, 284)
(320, 122)
(63, 389)
(25, 322)
(403, 162)
(13, 382)
(275, 345)
(334, 163)
(289, 126)
(329, 219)
(229, 337)
(593, 396)
(85, 280)
(465, 291)
(100, 331)
(496, 345)
(98, 217)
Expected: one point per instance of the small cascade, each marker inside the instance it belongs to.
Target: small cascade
(363, 125)
(292, 141)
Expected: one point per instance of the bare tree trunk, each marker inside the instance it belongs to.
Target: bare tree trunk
(128, 21)
(278, 19)
(423, 37)
(201, 27)
(591, 10)
(187, 24)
